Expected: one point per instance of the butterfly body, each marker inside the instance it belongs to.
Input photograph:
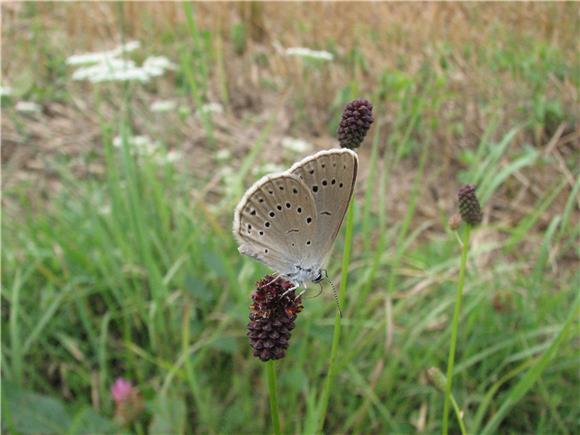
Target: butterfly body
(289, 220)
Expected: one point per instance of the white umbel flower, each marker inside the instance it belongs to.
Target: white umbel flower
(309, 53)
(211, 108)
(28, 107)
(102, 56)
(5, 91)
(141, 145)
(162, 106)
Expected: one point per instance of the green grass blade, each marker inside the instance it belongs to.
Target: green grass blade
(532, 375)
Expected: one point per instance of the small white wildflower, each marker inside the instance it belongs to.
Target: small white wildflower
(173, 156)
(157, 65)
(28, 107)
(102, 56)
(117, 141)
(296, 145)
(90, 58)
(141, 145)
(162, 106)
(162, 158)
(223, 154)
(112, 68)
(130, 74)
(5, 91)
(103, 69)
(128, 46)
(309, 53)
(211, 108)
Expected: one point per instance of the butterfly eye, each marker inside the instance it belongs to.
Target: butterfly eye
(324, 182)
(279, 207)
(261, 233)
(315, 189)
(299, 209)
(272, 214)
(340, 185)
(308, 219)
(333, 181)
(295, 191)
(288, 205)
(267, 224)
(308, 243)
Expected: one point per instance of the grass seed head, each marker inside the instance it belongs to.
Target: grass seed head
(436, 378)
(355, 123)
(454, 222)
(272, 315)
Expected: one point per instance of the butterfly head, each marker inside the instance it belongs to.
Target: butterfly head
(320, 276)
(306, 274)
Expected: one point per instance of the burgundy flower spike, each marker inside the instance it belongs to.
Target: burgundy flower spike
(355, 123)
(272, 315)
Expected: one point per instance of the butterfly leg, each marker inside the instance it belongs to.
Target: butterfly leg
(272, 281)
(300, 294)
(291, 289)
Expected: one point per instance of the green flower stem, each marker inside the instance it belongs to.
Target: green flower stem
(455, 328)
(337, 325)
(459, 416)
(273, 389)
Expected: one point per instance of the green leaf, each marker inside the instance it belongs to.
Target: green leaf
(29, 412)
(532, 375)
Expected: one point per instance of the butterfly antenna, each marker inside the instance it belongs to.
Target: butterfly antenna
(334, 293)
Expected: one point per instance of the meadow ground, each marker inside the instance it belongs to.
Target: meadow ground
(120, 173)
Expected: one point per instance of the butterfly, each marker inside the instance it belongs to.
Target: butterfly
(290, 220)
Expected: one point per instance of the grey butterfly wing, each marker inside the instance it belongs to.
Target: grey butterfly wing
(330, 175)
(275, 222)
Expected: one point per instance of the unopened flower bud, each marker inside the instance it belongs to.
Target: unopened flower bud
(355, 123)
(469, 207)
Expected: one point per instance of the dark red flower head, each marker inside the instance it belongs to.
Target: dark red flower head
(272, 316)
(355, 123)
(469, 207)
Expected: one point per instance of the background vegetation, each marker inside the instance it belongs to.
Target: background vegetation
(118, 259)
